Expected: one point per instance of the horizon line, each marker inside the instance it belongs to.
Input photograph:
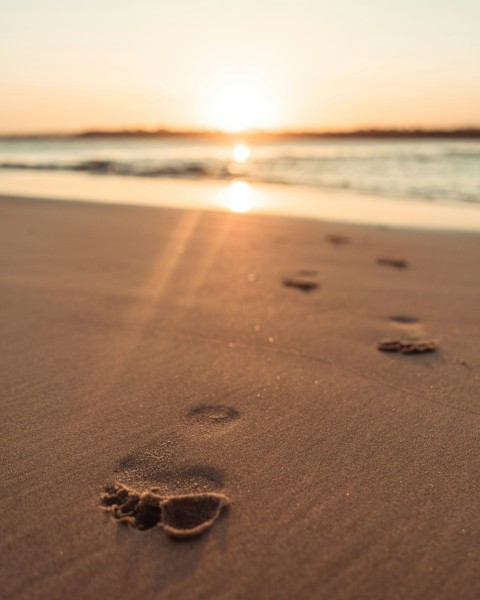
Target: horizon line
(364, 132)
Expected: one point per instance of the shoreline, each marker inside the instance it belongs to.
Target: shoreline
(204, 352)
(246, 197)
(199, 210)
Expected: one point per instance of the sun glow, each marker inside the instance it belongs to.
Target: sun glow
(239, 200)
(240, 101)
(241, 153)
(237, 197)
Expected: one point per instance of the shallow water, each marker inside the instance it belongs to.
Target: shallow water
(422, 182)
(431, 170)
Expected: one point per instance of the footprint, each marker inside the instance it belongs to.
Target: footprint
(150, 491)
(413, 340)
(302, 281)
(213, 415)
(304, 286)
(153, 488)
(403, 319)
(337, 240)
(412, 346)
(182, 516)
(398, 263)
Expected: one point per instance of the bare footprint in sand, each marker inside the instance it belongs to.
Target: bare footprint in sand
(337, 240)
(407, 346)
(153, 490)
(397, 263)
(150, 491)
(182, 516)
(413, 339)
(302, 281)
(403, 320)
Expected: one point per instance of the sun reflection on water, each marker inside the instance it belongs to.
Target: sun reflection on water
(238, 197)
(241, 153)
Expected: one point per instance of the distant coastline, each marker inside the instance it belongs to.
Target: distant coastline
(374, 134)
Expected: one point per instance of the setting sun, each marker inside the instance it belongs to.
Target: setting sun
(239, 101)
(240, 248)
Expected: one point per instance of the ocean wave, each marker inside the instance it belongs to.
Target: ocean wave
(428, 176)
(110, 167)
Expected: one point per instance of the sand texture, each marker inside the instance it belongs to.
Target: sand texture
(218, 378)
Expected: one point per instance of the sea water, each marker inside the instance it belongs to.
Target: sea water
(320, 178)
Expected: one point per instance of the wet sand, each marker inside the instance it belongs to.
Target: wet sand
(186, 354)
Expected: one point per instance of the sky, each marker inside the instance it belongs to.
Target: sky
(222, 64)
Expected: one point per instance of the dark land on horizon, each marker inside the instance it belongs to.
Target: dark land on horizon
(253, 135)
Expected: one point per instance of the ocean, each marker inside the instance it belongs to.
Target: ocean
(418, 172)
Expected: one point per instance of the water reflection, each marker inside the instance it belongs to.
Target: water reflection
(241, 153)
(239, 197)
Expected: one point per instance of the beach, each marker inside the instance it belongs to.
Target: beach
(203, 352)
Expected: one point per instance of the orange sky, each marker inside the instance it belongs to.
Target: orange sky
(302, 64)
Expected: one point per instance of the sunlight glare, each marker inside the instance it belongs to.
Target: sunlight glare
(238, 198)
(241, 153)
(238, 101)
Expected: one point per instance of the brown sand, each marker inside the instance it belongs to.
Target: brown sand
(160, 349)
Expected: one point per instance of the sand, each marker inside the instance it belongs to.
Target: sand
(235, 357)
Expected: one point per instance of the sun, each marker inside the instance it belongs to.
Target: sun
(238, 101)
